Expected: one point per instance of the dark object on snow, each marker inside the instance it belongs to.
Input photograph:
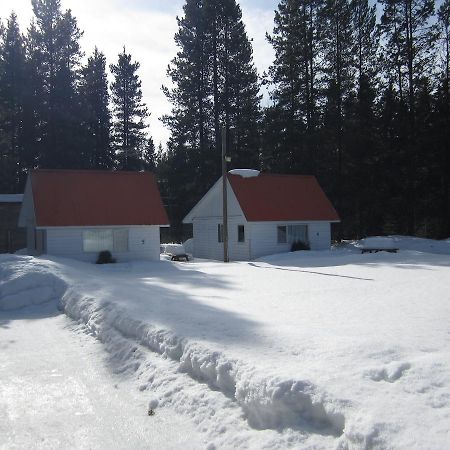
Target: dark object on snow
(182, 257)
(151, 412)
(105, 257)
(376, 250)
(299, 245)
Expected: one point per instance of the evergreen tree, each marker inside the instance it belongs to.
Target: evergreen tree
(97, 152)
(360, 135)
(338, 52)
(294, 74)
(129, 113)
(442, 123)
(409, 40)
(54, 54)
(12, 80)
(215, 84)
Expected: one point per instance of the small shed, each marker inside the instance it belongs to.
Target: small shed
(12, 237)
(78, 213)
(266, 214)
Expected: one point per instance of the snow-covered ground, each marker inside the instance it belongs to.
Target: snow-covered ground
(59, 389)
(306, 350)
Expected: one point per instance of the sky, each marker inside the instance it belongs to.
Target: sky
(147, 28)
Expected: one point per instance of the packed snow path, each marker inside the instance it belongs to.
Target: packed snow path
(57, 391)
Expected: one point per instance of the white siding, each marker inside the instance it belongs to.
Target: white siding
(264, 237)
(319, 235)
(208, 216)
(143, 243)
(207, 245)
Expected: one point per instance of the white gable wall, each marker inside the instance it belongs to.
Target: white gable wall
(143, 243)
(206, 242)
(208, 215)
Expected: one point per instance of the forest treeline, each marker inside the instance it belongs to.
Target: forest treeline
(359, 97)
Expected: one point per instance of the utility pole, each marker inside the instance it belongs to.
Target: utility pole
(225, 159)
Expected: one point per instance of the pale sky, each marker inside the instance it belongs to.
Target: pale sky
(147, 28)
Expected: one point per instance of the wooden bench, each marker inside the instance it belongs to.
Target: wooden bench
(182, 257)
(378, 249)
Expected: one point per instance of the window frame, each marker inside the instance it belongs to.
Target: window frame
(285, 234)
(239, 227)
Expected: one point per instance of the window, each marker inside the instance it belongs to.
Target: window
(292, 233)
(219, 232)
(107, 239)
(241, 233)
(281, 234)
(298, 233)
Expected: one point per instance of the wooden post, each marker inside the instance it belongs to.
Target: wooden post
(225, 198)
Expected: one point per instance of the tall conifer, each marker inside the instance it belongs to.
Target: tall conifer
(97, 151)
(129, 113)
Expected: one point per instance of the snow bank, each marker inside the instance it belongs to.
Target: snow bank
(189, 246)
(377, 243)
(173, 249)
(245, 173)
(21, 287)
(268, 401)
(409, 243)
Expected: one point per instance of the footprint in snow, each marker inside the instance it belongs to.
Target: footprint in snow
(390, 373)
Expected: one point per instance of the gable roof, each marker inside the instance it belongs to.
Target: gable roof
(96, 198)
(272, 197)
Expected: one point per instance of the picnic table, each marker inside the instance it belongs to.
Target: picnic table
(179, 257)
(378, 244)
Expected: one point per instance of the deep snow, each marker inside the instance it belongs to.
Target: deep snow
(312, 350)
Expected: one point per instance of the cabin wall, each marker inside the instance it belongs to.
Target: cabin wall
(143, 243)
(264, 238)
(206, 239)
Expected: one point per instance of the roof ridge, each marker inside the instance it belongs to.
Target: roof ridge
(102, 171)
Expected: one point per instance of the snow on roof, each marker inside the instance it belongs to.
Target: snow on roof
(273, 197)
(96, 198)
(11, 198)
(246, 173)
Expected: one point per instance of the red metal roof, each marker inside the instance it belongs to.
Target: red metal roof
(270, 197)
(96, 198)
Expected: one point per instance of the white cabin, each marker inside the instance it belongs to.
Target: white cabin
(78, 213)
(267, 213)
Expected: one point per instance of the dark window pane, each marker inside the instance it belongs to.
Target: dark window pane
(241, 233)
(281, 234)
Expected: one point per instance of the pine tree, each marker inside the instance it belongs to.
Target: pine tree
(129, 113)
(215, 83)
(409, 39)
(442, 122)
(97, 152)
(54, 53)
(360, 135)
(338, 52)
(12, 80)
(294, 74)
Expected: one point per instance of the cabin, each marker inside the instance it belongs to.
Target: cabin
(267, 213)
(12, 237)
(79, 213)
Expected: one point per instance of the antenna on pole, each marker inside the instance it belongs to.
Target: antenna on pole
(225, 159)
